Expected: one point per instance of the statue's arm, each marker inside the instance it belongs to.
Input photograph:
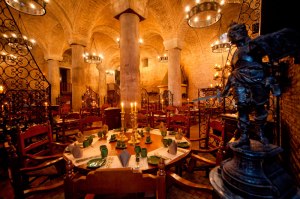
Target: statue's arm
(228, 85)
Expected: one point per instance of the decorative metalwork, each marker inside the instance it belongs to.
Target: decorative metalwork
(167, 98)
(93, 58)
(250, 15)
(26, 90)
(90, 98)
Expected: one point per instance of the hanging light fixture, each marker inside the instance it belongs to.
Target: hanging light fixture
(31, 7)
(204, 13)
(93, 58)
(163, 58)
(221, 45)
(18, 40)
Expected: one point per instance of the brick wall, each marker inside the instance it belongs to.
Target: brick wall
(290, 121)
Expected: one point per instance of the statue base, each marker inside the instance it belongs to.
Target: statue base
(254, 173)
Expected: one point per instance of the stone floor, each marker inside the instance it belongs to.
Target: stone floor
(173, 192)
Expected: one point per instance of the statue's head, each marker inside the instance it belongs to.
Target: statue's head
(237, 33)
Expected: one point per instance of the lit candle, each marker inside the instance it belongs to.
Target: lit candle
(131, 106)
(211, 85)
(134, 106)
(1, 89)
(122, 107)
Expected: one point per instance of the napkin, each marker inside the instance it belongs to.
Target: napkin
(124, 157)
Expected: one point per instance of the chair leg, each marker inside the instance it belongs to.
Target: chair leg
(191, 165)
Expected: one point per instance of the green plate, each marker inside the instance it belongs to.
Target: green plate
(153, 160)
(95, 163)
(183, 144)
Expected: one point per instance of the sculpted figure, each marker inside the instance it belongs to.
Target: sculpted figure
(250, 85)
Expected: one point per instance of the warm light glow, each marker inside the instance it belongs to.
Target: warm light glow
(122, 107)
(187, 9)
(141, 41)
(1, 89)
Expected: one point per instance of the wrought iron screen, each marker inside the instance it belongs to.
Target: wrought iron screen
(26, 91)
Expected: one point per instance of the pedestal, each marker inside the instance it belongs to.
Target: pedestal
(254, 173)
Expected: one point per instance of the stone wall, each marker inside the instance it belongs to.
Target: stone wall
(290, 121)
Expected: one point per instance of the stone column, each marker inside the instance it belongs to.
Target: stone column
(53, 77)
(174, 73)
(129, 12)
(102, 86)
(78, 76)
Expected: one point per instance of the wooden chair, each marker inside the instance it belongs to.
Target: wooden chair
(187, 185)
(143, 120)
(179, 121)
(158, 116)
(114, 182)
(36, 164)
(211, 148)
(90, 124)
(68, 128)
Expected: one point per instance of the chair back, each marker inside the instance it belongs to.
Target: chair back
(69, 126)
(179, 121)
(116, 181)
(35, 141)
(90, 124)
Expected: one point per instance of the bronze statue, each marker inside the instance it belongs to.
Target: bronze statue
(251, 85)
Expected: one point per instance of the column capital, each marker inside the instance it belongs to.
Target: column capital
(137, 7)
(173, 43)
(53, 57)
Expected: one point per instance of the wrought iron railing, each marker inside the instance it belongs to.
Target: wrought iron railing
(25, 88)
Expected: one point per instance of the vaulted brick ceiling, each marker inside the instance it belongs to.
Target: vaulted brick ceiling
(78, 21)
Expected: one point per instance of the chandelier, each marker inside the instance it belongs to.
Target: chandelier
(204, 13)
(17, 40)
(221, 45)
(163, 58)
(31, 7)
(8, 58)
(93, 58)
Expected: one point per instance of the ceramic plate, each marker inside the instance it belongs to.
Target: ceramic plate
(183, 144)
(95, 163)
(153, 159)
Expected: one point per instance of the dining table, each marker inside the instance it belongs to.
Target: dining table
(154, 147)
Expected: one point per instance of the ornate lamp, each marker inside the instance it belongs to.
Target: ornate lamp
(18, 40)
(163, 58)
(221, 45)
(31, 7)
(204, 13)
(93, 58)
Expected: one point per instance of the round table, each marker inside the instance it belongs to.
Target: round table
(93, 151)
